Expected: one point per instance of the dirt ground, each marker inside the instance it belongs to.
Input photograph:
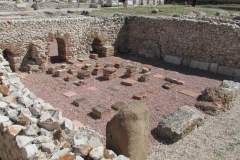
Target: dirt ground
(96, 90)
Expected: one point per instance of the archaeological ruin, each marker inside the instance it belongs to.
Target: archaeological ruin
(116, 87)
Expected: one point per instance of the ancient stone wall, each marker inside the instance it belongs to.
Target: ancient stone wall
(207, 40)
(77, 34)
(188, 38)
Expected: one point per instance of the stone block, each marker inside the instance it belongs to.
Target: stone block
(58, 73)
(226, 70)
(139, 96)
(153, 90)
(168, 85)
(59, 153)
(118, 106)
(144, 78)
(83, 74)
(110, 76)
(129, 82)
(107, 51)
(213, 67)
(118, 65)
(145, 70)
(94, 56)
(80, 82)
(173, 59)
(199, 65)
(80, 101)
(109, 65)
(180, 123)
(127, 132)
(101, 110)
(109, 70)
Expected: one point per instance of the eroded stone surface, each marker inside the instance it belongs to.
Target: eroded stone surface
(179, 124)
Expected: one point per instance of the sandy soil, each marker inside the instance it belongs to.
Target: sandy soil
(51, 89)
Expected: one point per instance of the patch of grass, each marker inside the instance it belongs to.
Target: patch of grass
(225, 85)
(218, 154)
(232, 146)
(166, 10)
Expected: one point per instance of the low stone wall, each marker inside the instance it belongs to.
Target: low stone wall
(192, 39)
(33, 129)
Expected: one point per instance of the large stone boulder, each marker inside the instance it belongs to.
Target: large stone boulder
(127, 132)
(215, 100)
(179, 124)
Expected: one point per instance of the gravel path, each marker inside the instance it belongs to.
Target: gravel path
(218, 138)
(160, 105)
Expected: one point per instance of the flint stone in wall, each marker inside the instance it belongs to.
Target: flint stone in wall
(80, 137)
(29, 151)
(31, 130)
(3, 104)
(94, 142)
(58, 154)
(57, 115)
(49, 147)
(49, 124)
(82, 150)
(25, 117)
(79, 158)
(68, 126)
(3, 118)
(127, 132)
(96, 153)
(4, 125)
(13, 130)
(179, 124)
(199, 65)
(47, 106)
(26, 101)
(45, 115)
(44, 132)
(23, 140)
(13, 114)
(121, 157)
(173, 59)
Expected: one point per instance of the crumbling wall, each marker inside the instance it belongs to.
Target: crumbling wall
(191, 39)
(216, 42)
(77, 34)
(31, 128)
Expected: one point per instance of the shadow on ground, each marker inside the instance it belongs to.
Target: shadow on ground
(157, 62)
